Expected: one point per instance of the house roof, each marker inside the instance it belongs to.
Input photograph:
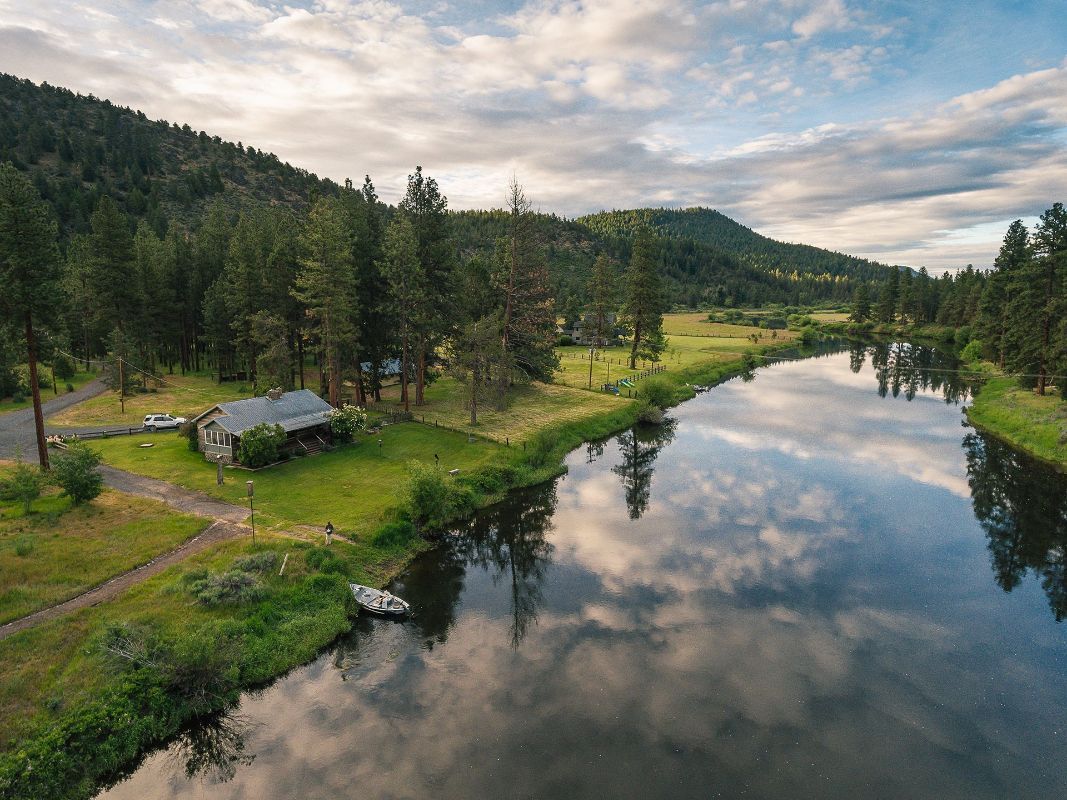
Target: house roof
(293, 411)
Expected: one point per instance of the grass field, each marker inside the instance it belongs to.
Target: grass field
(8, 405)
(352, 486)
(829, 316)
(1036, 424)
(530, 408)
(184, 396)
(57, 552)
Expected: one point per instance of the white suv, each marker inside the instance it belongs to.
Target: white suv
(159, 421)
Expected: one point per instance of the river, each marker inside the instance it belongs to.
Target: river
(814, 581)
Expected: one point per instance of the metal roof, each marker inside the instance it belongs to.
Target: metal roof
(293, 411)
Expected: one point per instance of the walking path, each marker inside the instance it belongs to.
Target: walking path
(184, 500)
(218, 531)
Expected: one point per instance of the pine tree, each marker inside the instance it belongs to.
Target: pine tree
(598, 321)
(643, 303)
(889, 297)
(993, 317)
(326, 286)
(30, 272)
(861, 304)
(115, 292)
(407, 292)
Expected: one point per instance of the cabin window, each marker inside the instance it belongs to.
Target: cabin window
(218, 438)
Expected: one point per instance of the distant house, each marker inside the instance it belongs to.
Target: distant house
(303, 414)
(576, 331)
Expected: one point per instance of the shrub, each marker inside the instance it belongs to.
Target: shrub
(228, 588)
(256, 562)
(963, 334)
(75, 471)
(564, 341)
(541, 446)
(25, 484)
(651, 413)
(973, 351)
(189, 431)
(656, 390)
(23, 546)
(70, 388)
(432, 498)
(347, 421)
(394, 534)
(492, 478)
(261, 445)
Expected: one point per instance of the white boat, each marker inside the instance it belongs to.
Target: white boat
(378, 601)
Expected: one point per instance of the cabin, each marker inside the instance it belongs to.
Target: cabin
(303, 414)
(575, 329)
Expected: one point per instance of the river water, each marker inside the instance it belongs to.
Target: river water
(813, 582)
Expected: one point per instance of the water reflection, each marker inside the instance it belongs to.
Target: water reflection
(1022, 505)
(214, 749)
(640, 446)
(911, 369)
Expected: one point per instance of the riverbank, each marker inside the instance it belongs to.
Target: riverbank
(1003, 408)
(1026, 421)
(96, 689)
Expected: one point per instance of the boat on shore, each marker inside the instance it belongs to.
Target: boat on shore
(379, 601)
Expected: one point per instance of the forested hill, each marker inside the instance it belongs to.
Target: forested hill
(79, 148)
(710, 227)
(696, 273)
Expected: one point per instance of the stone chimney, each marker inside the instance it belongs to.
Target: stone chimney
(275, 394)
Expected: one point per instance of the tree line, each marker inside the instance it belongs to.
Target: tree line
(364, 291)
(1014, 315)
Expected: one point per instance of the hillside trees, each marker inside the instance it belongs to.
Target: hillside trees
(29, 274)
(408, 294)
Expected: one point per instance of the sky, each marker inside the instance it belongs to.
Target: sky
(906, 131)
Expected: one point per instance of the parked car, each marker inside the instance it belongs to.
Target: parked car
(154, 422)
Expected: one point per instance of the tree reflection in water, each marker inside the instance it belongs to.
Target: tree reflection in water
(640, 446)
(1022, 505)
(908, 368)
(511, 538)
(213, 749)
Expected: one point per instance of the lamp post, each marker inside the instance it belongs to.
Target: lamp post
(252, 511)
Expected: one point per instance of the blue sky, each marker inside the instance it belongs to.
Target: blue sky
(906, 131)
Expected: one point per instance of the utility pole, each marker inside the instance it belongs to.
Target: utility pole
(592, 351)
(122, 387)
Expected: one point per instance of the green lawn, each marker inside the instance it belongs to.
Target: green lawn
(8, 405)
(184, 396)
(1036, 424)
(352, 486)
(529, 409)
(57, 552)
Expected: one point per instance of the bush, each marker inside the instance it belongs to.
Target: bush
(963, 334)
(541, 446)
(75, 471)
(261, 445)
(651, 414)
(70, 388)
(973, 351)
(25, 484)
(189, 431)
(23, 546)
(564, 341)
(394, 534)
(347, 421)
(257, 562)
(657, 390)
(228, 588)
(432, 498)
(492, 478)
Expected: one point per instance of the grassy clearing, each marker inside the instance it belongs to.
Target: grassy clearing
(1026, 420)
(530, 408)
(182, 395)
(695, 323)
(829, 316)
(57, 552)
(353, 486)
(7, 404)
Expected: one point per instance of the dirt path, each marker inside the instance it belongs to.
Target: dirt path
(218, 531)
(16, 428)
(184, 500)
